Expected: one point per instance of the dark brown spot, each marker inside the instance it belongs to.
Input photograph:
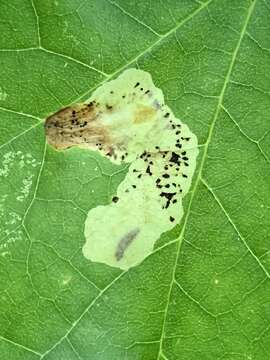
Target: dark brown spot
(175, 158)
(168, 196)
(148, 170)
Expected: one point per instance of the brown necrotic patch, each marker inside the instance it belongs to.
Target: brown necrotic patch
(76, 125)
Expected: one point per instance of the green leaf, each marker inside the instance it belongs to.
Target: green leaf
(204, 291)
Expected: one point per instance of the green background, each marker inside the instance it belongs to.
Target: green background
(204, 292)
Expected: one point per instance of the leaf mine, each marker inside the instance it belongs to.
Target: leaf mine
(127, 120)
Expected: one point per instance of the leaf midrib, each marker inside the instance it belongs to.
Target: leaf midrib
(204, 156)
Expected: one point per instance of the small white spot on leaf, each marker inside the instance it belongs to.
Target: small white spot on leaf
(3, 95)
(25, 188)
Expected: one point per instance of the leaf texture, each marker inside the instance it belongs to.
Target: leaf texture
(204, 291)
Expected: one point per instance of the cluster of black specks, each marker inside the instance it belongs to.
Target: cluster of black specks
(123, 156)
(141, 88)
(147, 157)
(99, 146)
(136, 86)
(168, 182)
(56, 124)
(170, 191)
(175, 162)
(75, 121)
(168, 196)
(83, 124)
(178, 159)
(138, 89)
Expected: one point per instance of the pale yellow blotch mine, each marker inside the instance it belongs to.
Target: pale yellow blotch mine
(122, 234)
(126, 120)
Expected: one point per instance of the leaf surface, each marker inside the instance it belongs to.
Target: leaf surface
(204, 291)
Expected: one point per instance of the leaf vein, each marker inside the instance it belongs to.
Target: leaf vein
(194, 300)
(113, 3)
(19, 345)
(234, 226)
(19, 135)
(74, 60)
(204, 156)
(163, 37)
(37, 22)
(257, 142)
(97, 297)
